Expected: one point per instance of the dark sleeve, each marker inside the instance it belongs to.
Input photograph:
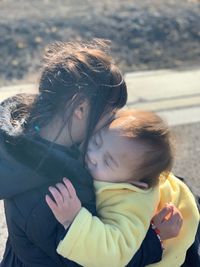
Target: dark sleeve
(34, 241)
(34, 231)
(149, 252)
(16, 178)
(46, 233)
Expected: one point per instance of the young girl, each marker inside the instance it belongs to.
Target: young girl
(126, 160)
(79, 90)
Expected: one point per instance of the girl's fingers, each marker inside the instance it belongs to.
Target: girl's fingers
(52, 205)
(70, 187)
(56, 195)
(63, 190)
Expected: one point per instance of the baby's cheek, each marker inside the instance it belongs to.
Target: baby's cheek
(100, 175)
(95, 174)
(104, 175)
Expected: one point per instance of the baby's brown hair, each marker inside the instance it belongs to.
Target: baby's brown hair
(153, 134)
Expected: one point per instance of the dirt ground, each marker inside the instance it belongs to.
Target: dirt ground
(147, 34)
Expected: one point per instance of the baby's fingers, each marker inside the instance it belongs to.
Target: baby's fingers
(179, 222)
(160, 216)
(176, 219)
(174, 223)
(63, 191)
(56, 195)
(52, 205)
(70, 188)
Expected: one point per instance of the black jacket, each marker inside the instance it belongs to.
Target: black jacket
(33, 231)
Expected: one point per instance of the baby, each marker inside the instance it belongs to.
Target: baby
(127, 160)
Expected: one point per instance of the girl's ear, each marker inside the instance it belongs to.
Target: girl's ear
(82, 110)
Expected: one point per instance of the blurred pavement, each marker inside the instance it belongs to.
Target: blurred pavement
(175, 95)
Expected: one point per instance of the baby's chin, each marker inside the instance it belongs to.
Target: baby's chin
(100, 179)
(89, 169)
(92, 173)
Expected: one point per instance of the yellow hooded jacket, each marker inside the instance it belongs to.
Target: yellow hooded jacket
(124, 214)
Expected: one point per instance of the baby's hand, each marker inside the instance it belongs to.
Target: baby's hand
(66, 205)
(168, 221)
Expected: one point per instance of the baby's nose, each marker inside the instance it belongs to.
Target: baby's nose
(93, 161)
(91, 157)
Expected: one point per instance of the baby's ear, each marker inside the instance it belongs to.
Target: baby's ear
(140, 184)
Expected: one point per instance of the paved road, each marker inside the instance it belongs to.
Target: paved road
(174, 94)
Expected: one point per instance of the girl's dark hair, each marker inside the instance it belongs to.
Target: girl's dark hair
(149, 130)
(73, 72)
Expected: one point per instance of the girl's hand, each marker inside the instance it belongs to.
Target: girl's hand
(66, 205)
(168, 221)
